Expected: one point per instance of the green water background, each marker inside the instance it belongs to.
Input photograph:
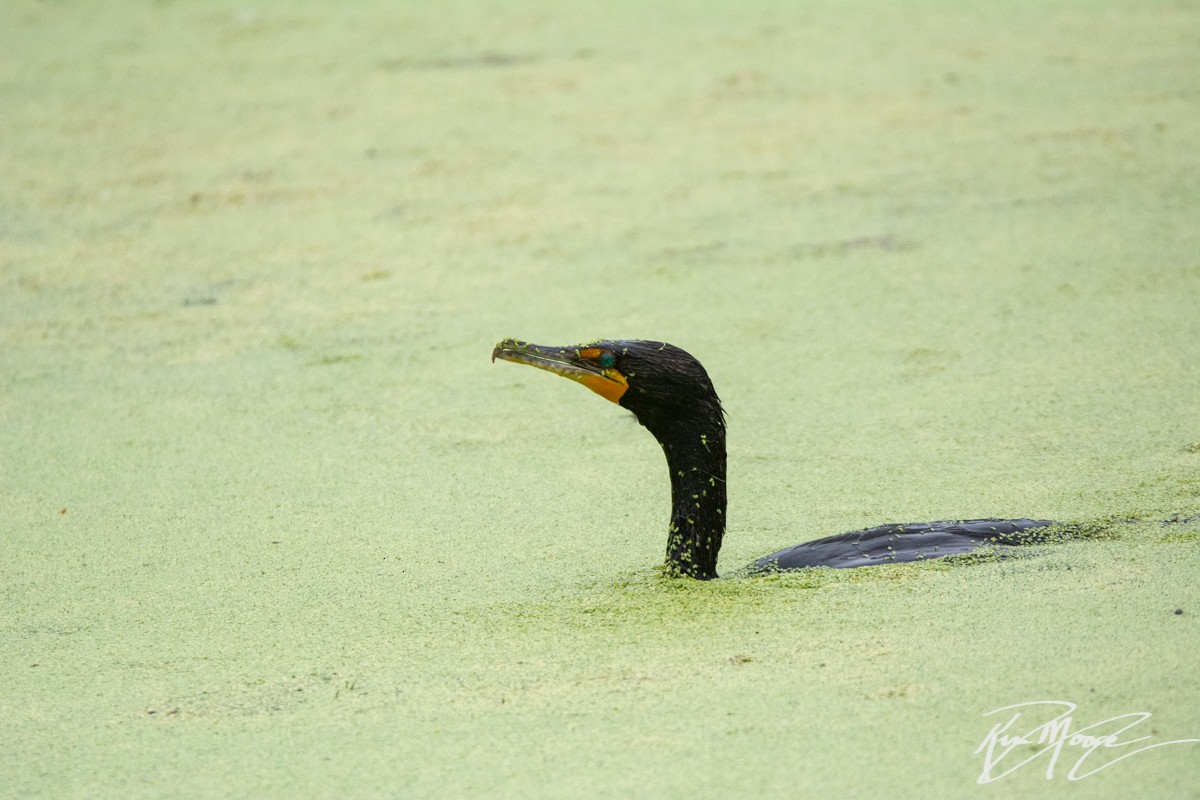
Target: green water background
(272, 525)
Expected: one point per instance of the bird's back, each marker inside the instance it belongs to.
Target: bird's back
(891, 544)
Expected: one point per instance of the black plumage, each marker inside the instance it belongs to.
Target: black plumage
(671, 394)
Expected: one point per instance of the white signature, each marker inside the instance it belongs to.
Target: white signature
(1053, 735)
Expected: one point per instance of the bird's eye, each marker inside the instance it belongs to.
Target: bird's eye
(607, 360)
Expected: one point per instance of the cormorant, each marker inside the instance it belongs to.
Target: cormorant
(670, 393)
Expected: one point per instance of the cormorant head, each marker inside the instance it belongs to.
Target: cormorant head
(663, 385)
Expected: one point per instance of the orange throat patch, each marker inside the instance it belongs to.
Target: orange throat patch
(611, 385)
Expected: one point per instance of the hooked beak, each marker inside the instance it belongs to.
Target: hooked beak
(577, 363)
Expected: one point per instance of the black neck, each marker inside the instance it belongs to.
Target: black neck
(696, 459)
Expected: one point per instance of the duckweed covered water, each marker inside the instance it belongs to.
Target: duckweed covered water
(273, 525)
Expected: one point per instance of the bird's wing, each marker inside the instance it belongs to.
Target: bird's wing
(890, 544)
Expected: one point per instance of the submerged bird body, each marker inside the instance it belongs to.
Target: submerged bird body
(892, 543)
(671, 394)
